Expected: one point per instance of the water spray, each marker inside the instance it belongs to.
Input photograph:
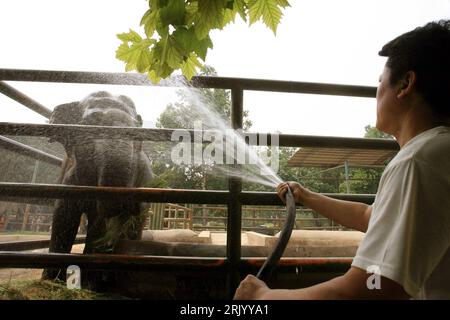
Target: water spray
(203, 115)
(271, 263)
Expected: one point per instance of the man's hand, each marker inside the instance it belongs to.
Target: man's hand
(251, 288)
(298, 191)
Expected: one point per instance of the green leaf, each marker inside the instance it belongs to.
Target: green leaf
(153, 77)
(189, 67)
(190, 43)
(174, 53)
(202, 48)
(239, 7)
(168, 51)
(185, 37)
(163, 30)
(137, 56)
(154, 4)
(146, 16)
(164, 70)
(144, 60)
(212, 11)
(211, 14)
(131, 36)
(191, 13)
(268, 10)
(174, 13)
(122, 53)
(229, 16)
(283, 3)
(150, 20)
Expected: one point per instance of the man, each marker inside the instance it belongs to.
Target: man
(408, 226)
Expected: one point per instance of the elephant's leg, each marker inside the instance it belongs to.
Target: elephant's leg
(96, 280)
(66, 220)
(96, 230)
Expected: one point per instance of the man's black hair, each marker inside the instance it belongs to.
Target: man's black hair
(426, 51)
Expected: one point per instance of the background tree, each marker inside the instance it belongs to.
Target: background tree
(365, 180)
(181, 115)
(373, 132)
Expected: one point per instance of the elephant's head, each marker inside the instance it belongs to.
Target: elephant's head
(104, 109)
(100, 109)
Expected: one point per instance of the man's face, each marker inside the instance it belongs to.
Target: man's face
(387, 104)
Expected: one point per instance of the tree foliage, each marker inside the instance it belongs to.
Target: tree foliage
(373, 132)
(177, 32)
(181, 115)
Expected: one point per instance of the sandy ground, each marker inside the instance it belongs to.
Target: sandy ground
(8, 275)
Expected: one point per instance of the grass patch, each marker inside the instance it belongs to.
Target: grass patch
(49, 290)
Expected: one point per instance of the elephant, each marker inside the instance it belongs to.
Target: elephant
(92, 161)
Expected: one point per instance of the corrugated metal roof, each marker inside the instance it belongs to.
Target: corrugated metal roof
(329, 157)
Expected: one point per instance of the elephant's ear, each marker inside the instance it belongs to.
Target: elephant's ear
(67, 113)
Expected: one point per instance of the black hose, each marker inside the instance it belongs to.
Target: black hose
(266, 270)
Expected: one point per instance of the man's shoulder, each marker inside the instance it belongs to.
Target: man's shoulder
(434, 152)
(431, 149)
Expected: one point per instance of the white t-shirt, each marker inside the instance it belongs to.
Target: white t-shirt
(408, 237)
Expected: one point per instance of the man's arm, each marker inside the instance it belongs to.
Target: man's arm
(354, 215)
(352, 285)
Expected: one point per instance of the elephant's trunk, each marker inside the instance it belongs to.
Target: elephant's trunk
(117, 167)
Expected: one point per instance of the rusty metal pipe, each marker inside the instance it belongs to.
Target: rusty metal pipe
(153, 134)
(23, 99)
(10, 259)
(199, 81)
(15, 146)
(56, 191)
(31, 244)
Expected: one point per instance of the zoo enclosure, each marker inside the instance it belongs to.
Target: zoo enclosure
(234, 198)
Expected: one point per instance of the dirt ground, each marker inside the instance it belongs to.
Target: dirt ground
(8, 275)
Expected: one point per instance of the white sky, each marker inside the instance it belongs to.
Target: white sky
(326, 41)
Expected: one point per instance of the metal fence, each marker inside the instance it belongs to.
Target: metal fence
(234, 198)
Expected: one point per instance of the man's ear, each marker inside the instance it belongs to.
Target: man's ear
(407, 84)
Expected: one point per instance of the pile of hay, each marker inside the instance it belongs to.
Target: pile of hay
(49, 290)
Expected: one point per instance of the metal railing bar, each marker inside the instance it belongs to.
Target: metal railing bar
(234, 206)
(13, 259)
(154, 134)
(23, 99)
(32, 244)
(56, 191)
(33, 201)
(204, 82)
(234, 197)
(15, 146)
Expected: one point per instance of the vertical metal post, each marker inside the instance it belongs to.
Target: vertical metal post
(26, 213)
(346, 176)
(234, 216)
